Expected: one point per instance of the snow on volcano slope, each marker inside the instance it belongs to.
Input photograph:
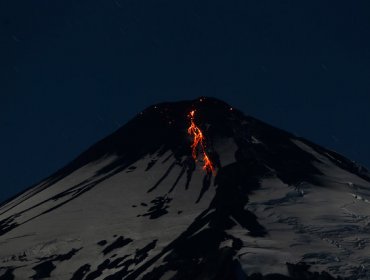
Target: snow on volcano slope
(137, 206)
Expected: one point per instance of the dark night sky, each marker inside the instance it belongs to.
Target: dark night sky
(73, 71)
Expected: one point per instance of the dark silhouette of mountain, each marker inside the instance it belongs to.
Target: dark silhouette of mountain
(137, 205)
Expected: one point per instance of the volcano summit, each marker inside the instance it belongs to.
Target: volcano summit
(193, 190)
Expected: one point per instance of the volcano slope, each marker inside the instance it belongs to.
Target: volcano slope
(142, 204)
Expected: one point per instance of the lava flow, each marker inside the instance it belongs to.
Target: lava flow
(198, 141)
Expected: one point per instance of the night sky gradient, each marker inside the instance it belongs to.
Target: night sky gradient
(73, 71)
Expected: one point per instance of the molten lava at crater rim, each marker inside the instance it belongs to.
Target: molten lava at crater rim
(199, 144)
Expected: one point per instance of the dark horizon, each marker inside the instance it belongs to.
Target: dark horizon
(73, 72)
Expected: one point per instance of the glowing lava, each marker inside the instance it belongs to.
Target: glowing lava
(198, 141)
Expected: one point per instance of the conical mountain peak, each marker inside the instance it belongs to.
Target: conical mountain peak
(192, 190)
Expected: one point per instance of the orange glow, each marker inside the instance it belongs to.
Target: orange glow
(198, 141)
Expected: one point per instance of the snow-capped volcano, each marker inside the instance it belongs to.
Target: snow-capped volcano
(143, 204)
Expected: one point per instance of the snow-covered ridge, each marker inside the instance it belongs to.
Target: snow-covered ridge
(136, 206)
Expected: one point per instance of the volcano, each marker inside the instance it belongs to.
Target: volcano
(193, 190)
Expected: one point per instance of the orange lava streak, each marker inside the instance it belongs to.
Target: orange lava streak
(198, 141)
